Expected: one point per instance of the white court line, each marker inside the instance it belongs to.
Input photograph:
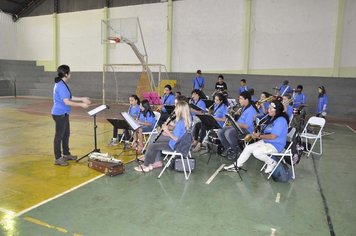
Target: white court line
(7, 211)
(273, 231)
(57, 196)
(215, 174)
(351, 129)
(278, 197)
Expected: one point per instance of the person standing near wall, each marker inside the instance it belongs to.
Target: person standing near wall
(62, 103)
(285, 88)
(244, 86)
(199, 83)
(322, 102)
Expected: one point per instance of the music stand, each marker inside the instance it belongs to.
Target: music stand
(120, 124)
(241, 131)
(93, 113)
(169, 108)
(134, 125)
(195, 107)
(208, 102)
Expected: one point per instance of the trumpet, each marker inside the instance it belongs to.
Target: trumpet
(262, 101)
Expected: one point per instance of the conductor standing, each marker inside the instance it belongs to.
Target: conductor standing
(62, 103)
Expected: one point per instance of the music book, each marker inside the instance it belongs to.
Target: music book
(97, 110)
(131, 121)
(234, 123)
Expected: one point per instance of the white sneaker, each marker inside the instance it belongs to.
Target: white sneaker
(113, 142)
(232, 166)
(270, 167)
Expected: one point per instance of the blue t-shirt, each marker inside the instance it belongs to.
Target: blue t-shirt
(149, 118)
(299, 99)
(243, 88)
(199, 82)
(220, 112)
(285, 89)
(266, 105)
(279, 127)
(60, 92)
(178, 131)
(321, 102)
(247, 118)
(167, 100)
(134, 111)
(201, 104)
(290, 111)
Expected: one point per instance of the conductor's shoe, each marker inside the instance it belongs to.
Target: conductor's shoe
(61, 162)
(70, 157)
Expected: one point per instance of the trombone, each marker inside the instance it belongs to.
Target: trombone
(262, 101)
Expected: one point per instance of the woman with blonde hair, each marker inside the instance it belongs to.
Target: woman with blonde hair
(168, 138)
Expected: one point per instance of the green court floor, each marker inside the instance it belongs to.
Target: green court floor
(319, 202)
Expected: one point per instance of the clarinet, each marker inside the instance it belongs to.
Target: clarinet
(171, 117)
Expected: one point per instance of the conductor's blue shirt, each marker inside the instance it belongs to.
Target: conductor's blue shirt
(60, 92)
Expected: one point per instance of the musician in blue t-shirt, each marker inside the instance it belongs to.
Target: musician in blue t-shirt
(168, 98)
(134, 111)
(273, 138)
(219, 111)
(244, 86)
(299, 98)
(167, 139)
(322, 102)
(285, 88)
(288, 109)
(199, 83)
(147, 120)
(229, 136)
(62, 103)
(197, 101)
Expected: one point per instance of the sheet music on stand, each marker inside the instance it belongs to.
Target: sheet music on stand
(209, 121)
(97, 110)
(131, 121)
(195, 107)
(234, 124)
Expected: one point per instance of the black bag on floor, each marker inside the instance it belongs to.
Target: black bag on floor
(177, 164)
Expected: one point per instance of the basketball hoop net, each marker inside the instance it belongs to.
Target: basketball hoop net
(114, 40)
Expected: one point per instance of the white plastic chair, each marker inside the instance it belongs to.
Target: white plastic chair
(154, 130)
(319, 123)
(286, 153)
(172, 154)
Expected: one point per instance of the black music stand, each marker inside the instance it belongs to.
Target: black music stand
(120, 124)
(210, 123)
(134, 125)
(93, 113)
(208, 102)
(241, 131)
(169, 108)
(195, 107)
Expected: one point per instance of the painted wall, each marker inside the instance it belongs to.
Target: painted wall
(7, 37)
(287, 37)
(207, 35)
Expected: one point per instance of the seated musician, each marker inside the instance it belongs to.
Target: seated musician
(299, 98)
(220, 86)
(252, 93)
(263, 104)
(284, 88)
(228, 135)
(244, 86)
(168, 138)
(219, 112)
(287, 107)
(147, 121)
(134, 111)
(197, 101)
(273, 138)
(167, 99)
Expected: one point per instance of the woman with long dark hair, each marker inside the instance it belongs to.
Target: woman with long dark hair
(273, 138)
(322, 102)
(147, 120)
(62, 103)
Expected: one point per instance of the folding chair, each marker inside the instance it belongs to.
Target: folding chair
(154, 130)
(306, 135)
(172, 154)
(286, 153)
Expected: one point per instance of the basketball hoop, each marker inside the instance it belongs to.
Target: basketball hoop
(114, 40)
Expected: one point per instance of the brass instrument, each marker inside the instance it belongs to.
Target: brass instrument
(257, 129)
(262, 101)
(209, 110)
